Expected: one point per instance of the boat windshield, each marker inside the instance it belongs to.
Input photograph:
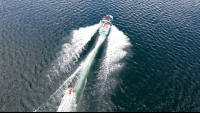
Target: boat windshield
(107, 18)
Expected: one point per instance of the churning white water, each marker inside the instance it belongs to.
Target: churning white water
(116, 42)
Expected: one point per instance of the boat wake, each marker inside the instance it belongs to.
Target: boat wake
(106, 81)
(68, 104)
(67, 58)
(117, 41)
(82, 80)
(71, 51)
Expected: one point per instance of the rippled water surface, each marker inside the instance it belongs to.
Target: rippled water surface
(149, 62)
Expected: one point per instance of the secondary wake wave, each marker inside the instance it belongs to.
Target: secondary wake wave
(108, 76)
(67, 103)
(117, 41)
(71, 51)
(68, 57)
(82, 77)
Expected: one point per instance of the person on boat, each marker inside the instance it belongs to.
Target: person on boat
(70, 90)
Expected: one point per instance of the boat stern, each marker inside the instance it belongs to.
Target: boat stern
(104, 33)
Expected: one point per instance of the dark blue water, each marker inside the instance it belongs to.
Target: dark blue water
(149, 62)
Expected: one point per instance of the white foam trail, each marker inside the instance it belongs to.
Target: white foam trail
(117, 41)
(71, 51)
(55, 99)
(88, 62)
(67, 103)
(85, 68)
(63, 63)
(107, 81)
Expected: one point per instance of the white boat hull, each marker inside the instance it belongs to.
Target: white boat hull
(105, 25)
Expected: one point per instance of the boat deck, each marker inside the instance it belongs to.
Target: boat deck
(105, 27)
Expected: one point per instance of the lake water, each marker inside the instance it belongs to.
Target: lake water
(150, 61)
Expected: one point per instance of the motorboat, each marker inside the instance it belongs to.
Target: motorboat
(70, 91)
(106, 24)
(67, 101)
